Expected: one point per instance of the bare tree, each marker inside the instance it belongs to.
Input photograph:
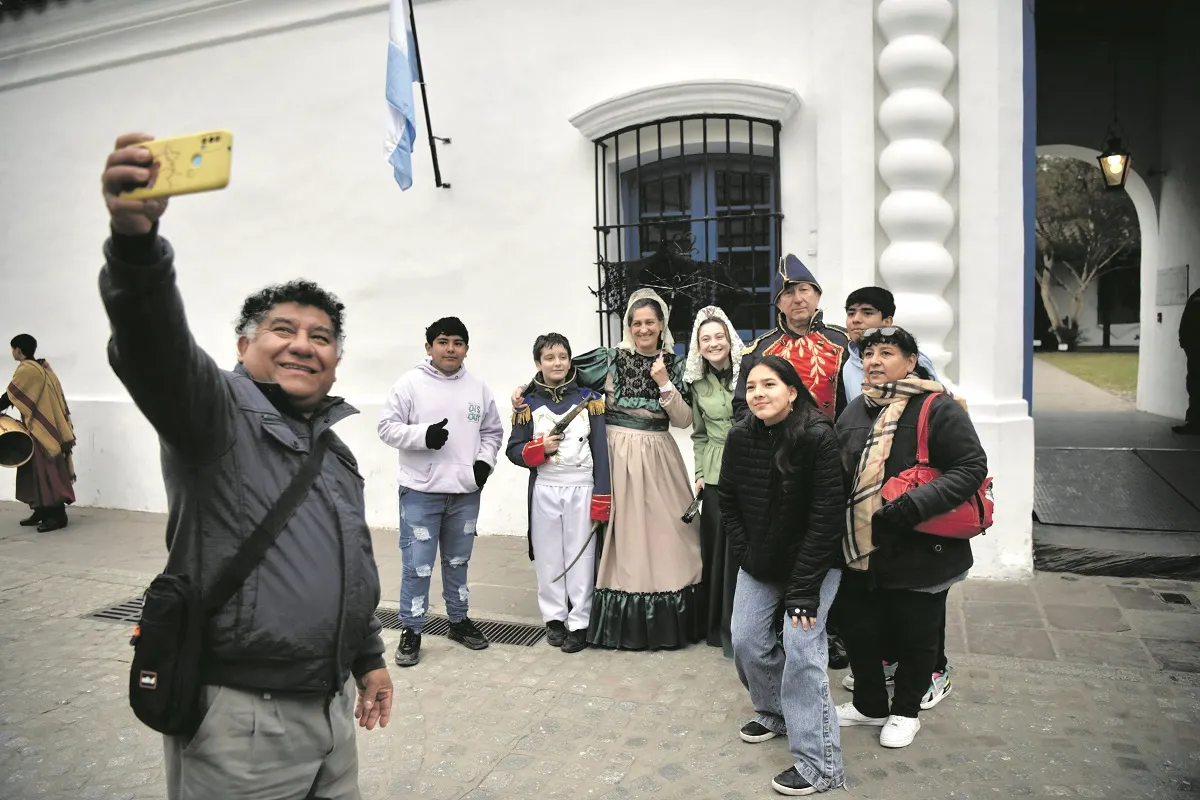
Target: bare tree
(1084, 232)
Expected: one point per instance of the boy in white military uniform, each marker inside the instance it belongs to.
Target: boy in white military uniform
(568, 488)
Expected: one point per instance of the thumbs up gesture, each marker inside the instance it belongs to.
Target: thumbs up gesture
(436, 435)
(658, 371)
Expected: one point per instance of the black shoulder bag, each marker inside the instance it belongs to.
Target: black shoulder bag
(165, 676)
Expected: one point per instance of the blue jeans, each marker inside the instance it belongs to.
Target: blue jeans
(425, 520)
(789, 685)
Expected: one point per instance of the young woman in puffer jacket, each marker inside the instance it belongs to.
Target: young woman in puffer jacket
(783, 506)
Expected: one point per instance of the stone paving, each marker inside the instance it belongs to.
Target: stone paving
(1064, 687)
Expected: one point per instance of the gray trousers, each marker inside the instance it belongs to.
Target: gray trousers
(267, 746)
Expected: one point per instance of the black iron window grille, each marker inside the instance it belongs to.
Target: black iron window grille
(689, 206)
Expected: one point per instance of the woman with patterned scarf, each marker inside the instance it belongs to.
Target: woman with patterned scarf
(649, 595)
(897, 578)
(712, 373)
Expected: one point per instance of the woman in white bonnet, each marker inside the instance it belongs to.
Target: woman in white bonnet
(712, 372)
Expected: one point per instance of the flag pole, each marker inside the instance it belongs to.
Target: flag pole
(433, 140)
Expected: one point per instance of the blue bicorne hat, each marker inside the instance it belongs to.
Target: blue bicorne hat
(792, 271)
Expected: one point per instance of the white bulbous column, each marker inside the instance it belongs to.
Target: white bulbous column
(915, 67)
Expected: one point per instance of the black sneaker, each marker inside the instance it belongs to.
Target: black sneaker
(465, 633)
(556, 633)
(576, 641)
(790, 783)
(754, 733)
(408, 653)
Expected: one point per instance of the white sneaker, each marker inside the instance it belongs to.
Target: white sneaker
(848, 682)
(899, 731)
(849, 716)
(939, 687)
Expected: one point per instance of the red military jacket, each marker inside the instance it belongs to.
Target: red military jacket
(817, 355)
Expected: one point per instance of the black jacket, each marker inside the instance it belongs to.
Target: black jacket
(784, 528)
(907, 559)
(304, 620)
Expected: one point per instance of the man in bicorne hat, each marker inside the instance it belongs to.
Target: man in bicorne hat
(816, 350)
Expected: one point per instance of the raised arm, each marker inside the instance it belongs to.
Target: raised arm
(174, 383)
(675, 396)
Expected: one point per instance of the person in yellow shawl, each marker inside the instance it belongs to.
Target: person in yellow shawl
(44, 482)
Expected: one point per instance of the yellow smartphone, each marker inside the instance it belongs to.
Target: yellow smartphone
(199, 162)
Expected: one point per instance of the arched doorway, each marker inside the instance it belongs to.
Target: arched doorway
(1151, 341)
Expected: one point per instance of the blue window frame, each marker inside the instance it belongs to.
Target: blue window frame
(721, 193)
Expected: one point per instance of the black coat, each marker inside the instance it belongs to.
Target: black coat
(784, 528)
(907, 559)
(1189, 323)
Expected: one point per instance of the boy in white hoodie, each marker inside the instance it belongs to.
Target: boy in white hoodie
(445, 424)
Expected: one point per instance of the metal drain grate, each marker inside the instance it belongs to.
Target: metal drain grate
(497, 632)
(513, 633)
(125, 611)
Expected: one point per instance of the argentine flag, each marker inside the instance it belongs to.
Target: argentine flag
(401, 73)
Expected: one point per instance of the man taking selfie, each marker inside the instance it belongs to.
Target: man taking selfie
(281, 659)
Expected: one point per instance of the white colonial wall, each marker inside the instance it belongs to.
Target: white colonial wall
(509, 248)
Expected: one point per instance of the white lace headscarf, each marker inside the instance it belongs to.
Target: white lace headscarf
(668, 341)
(696, 362)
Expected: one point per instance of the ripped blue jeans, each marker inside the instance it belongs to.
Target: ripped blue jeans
(425, 521)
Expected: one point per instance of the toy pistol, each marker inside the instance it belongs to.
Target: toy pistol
(560, 427)
(692, 510)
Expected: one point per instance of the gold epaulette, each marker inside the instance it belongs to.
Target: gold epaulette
(750, 348)
(522, 417)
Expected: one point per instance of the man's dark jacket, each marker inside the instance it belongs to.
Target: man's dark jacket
(908, 559)
(304, 620)
(784, 528)
(1189, 323)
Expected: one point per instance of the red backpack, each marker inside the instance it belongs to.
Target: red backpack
(966, 521)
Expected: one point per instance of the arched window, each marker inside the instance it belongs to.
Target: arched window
(689, 206)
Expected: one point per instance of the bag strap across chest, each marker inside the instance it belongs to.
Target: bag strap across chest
(256, 545)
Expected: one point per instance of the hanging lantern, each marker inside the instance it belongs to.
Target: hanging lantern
(1114, 163)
